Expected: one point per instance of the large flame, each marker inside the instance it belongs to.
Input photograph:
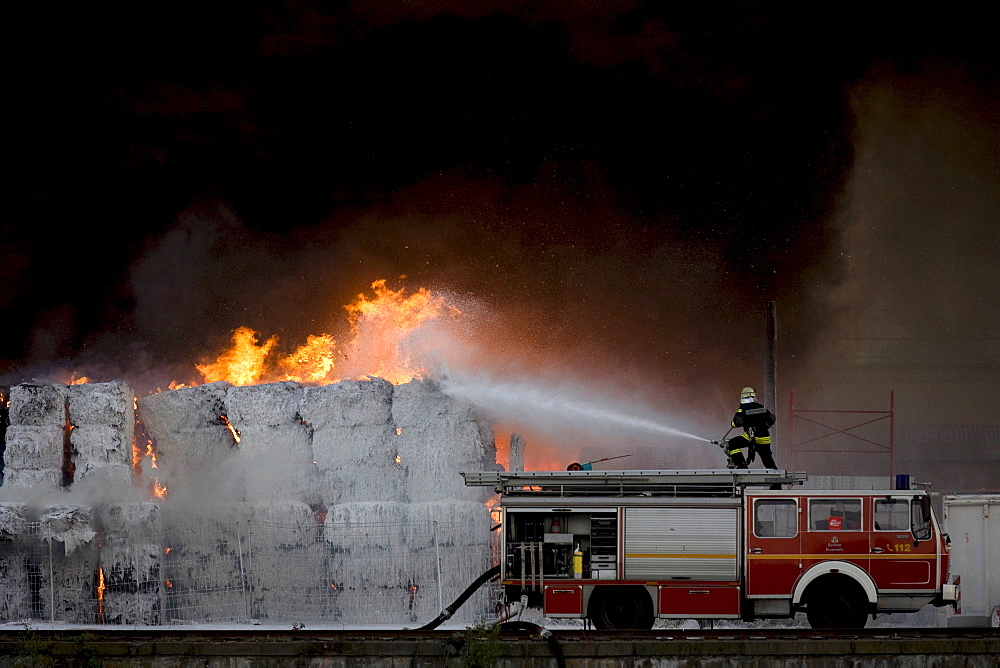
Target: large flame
(243, 364)
(381, 329)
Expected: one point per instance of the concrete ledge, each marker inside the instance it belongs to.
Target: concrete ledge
(326, 648)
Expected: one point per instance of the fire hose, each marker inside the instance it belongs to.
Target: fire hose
(446, 614)
(517, 626)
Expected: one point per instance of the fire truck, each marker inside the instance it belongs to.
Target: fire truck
(623, 548)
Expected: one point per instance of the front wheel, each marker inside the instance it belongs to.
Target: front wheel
(622, 608)
(836, 604)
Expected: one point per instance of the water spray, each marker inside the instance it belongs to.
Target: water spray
(526, 399)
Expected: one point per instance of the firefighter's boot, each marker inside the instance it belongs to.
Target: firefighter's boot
(738, 460)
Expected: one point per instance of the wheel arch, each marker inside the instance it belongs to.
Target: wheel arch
(845, 568)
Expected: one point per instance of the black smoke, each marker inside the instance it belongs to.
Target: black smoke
(622, 187)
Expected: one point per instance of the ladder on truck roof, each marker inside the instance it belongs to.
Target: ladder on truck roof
(704, 482)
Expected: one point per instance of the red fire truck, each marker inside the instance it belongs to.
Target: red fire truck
(623, 548)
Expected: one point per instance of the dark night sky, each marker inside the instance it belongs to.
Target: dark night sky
(624, 183)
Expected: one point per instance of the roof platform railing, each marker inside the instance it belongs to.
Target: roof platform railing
(694, 482)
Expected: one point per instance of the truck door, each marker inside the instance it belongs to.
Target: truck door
(904, 552)
(835, 531)
(773, 545)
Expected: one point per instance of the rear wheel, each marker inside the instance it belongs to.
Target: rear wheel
(622, 608)
(836, 603)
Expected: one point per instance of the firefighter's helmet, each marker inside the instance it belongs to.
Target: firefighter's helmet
(747, 395)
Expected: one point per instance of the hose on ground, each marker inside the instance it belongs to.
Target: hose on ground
(463, 597)
(542, 633)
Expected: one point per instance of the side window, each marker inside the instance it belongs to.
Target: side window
(892, 515)
(835, 514)
(921, 518)
(775, 518)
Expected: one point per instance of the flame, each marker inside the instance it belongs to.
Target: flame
(160, 491)
(399, 460)
(224, 419)
(312, 362)
(168, 550)
(243, 364)
(169, 583)
(73, 380)
(380, 329)
(100, 591)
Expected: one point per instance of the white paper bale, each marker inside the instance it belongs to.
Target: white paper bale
(134, 583)
(358, 464)
(439, 437)
(108, 404)
(132, 522)
(186, 408)
(72, 585)
(267, 405)
(188, 428)
(288, 444)
(422, 403)
(362, 482)
(278, 525)
(38, 405)
(458, 523)
(71, 525)
(101, 444)
(35, 447)
(439, 453)
(202, 552)
(349, 403)
(285, 540)
(46, 479)
(13, 520)
(339, 448)
(108, 478)
(417, 525)
(277, 462)
(194, 449)
(363, 524)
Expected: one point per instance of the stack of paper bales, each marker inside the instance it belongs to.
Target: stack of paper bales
(131, 559)
(275, 447)
(284, 502)
(68, 591)
(102, 416)
(37, 437)
(193, 441)
(354, 441)
(15, 563)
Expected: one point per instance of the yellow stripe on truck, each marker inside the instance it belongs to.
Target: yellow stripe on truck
(680, 556)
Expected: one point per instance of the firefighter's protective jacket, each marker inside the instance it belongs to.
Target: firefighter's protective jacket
(755, 419)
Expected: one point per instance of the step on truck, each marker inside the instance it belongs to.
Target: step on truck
(624, 548)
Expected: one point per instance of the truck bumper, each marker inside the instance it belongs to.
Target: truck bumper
(949, 595)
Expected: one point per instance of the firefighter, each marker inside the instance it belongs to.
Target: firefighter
(755, 419)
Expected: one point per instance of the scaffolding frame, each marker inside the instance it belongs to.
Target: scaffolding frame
(871, 417)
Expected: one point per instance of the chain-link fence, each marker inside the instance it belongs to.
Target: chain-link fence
(350, 574)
